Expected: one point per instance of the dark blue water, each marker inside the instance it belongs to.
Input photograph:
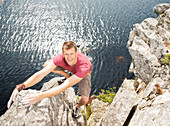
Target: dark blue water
(33, 31)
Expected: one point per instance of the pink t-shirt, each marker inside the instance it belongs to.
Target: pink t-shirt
(80, 69)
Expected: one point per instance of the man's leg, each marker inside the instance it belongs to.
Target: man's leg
(84, 90)
(84, 100)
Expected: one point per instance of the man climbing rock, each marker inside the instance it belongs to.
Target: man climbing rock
(71, 60)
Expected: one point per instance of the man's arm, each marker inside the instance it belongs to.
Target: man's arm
(32, 99)
(35, 78)
(38, 76)
(61, 88)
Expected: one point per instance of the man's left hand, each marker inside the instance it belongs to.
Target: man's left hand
(31, 99)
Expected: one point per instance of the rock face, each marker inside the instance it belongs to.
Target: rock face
(161, 8)
(148, 43)
(121, 106)
(153, 107)
(145, 101)
(98, 110)
(54, 111)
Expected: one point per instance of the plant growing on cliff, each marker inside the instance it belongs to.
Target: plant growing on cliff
(106, 95)
(166, 60)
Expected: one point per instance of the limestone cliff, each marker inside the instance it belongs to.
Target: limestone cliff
(146, 100)
(54, 111)
(149, 43)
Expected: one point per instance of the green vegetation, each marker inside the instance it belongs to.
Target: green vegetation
(88, 111)
(106, 96)
(166, 60)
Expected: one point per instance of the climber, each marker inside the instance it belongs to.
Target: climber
(71, 60)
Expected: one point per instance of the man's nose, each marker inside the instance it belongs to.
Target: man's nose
(69, 56)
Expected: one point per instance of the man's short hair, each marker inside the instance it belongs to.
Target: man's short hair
(68, 45)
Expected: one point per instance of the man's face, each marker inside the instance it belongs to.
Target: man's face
(70, 56)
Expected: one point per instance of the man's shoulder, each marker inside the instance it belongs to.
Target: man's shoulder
(60, 54)
(83, 59)
(82, 55)
(58, 58)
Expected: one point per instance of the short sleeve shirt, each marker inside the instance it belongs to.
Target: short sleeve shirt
(80, 69)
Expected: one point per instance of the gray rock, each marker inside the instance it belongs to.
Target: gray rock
(149, 43)
(161, 8)
(145, 103)
(149, 24)
(156, 115)
(54, 111)
(98, 110)
(121, 106)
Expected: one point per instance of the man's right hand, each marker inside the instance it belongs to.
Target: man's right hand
(13, 97)
(49, 66)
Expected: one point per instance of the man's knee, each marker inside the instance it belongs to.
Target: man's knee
(84, 99)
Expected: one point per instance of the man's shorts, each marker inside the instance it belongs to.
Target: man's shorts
(84, 84)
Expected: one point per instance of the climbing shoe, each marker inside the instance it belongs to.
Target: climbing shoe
(76, 113)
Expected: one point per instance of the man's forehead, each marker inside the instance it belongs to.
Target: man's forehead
(69, 50)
